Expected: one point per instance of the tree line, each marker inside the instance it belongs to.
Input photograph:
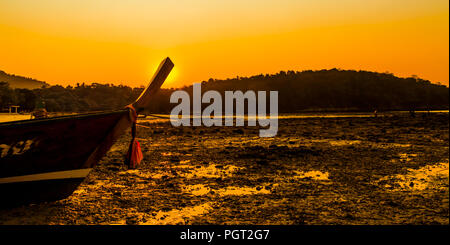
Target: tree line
(322, 90)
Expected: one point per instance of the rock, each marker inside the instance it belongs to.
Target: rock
(132, 220)
(238, 131)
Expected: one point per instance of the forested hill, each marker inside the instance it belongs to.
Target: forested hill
(324, 90)
(20, 82)
(341, 90)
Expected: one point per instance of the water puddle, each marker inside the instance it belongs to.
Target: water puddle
(186, 171)
(142, 174)
(344, 142)
(199, 190)
(105, 184)
(241, 191)
(382, 145)
(13, 117)
(196, 190)
(314, 174)
(154, 120)
(176, 216)
(389, 145)
(209, 171)
(427, 177)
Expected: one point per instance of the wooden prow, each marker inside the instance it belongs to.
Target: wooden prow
(126, 120)
(158, 79)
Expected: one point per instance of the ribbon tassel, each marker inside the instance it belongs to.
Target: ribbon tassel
(134, 154)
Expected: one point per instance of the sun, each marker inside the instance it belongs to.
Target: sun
(171, 80)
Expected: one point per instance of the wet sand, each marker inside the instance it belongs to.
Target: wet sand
(388, 170)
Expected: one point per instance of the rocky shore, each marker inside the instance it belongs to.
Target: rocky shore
(392, 169)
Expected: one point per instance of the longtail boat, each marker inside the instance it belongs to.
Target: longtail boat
(46, 159)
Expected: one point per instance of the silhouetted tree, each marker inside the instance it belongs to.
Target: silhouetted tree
(322, 90)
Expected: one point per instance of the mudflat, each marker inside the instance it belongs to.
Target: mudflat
(393, 169)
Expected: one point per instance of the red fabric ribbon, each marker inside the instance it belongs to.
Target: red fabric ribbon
(134, 154)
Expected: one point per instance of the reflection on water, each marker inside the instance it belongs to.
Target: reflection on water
(427, 177)
(177, 216)
(209, 171)
(199, 190)
(171, 217)
(314, 174)
(186, 171)
(344, 142)
(333, 142)
(11, 117)
(4, 117)
(141, 174)
(297, 142)
(165, 117)
(239, 191)
(388, 145)
(196, 190)
(162, 118)
(337, 142)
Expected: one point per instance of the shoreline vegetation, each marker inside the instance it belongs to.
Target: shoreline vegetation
(307, 91)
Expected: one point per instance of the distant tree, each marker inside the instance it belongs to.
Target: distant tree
(7, 96)
(26, 99)
(333, 89)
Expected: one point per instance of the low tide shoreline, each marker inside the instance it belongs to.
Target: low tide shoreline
(353, 170)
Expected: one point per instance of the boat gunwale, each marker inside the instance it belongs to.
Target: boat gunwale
(43, 121)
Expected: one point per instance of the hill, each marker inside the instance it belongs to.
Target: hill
(322, 90)
(21, 82)
(340, 90)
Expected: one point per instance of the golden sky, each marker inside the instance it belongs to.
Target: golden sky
(122, 42)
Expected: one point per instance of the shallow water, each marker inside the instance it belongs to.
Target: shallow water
(200, 189)
(314, 174)
(162, 117)
(209, 171)
(421, 179)
(178, 216)
(4, 117)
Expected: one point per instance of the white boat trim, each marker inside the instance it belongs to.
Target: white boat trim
(69, 174)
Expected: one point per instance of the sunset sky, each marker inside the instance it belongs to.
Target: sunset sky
(122, 42)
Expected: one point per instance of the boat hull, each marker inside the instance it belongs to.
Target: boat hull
(36, 191)
(46, 159)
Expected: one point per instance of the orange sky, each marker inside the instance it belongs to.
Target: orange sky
(122, 42)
